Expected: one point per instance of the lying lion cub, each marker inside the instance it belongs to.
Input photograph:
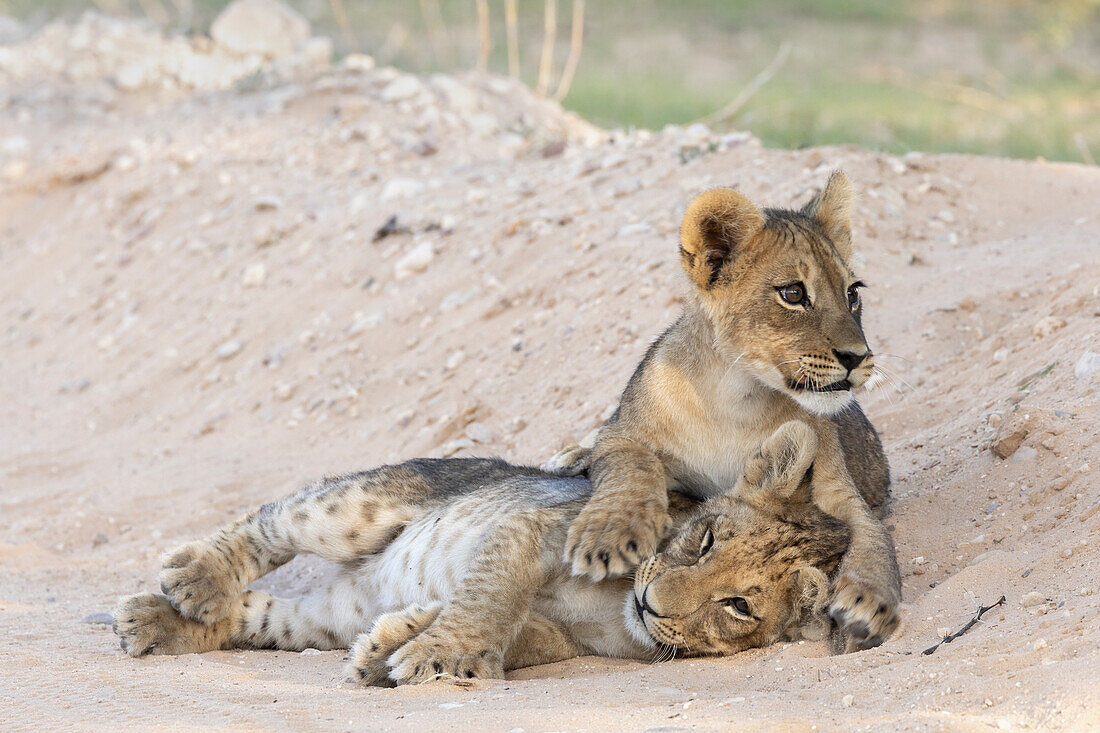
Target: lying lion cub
(454, 568)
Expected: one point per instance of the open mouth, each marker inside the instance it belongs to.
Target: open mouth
(840, 386)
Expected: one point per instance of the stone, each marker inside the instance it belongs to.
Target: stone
(264, 27)
(403, 87)
(229, 349)
(254, 275)
(1047, 326)
(401, 188)
(1032, 599)
(479, 433)
(1005, 447)
(364, 322)
(1087, 365)
(414, 261)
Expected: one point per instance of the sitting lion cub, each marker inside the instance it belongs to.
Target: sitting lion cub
(772, 332)
(454, 568)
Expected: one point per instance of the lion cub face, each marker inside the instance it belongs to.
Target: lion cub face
(779, 291)
(745, 570)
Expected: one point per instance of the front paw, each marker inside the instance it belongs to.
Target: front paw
(866, 615)
(613, 533)
(572, 460)
(200, 581)
(147, 624)
(369, 654)
(440, 655)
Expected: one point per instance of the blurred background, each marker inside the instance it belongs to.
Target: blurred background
(1003, 77)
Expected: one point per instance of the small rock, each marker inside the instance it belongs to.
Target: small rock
(309, 652)
(1087, 365)
(847, 701)
(263, 27)
(454, 446)
(416, 260)
(455, 359)
(366, 322)
(254, 275)
(479, 433)
(403, 87)
(284, 391)
(1005, 447)
(358, 62)
(99, 539)
(400, 188)
(229, 349)
(268, 203)
(1040, 644)
(1047, 326)
(1000, 355)
(98, 618)
(1032, 599)
(1024, 453)
(919, 560)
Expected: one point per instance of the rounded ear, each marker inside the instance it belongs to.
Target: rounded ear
(832, 210)
(781, 470)
(717, 225)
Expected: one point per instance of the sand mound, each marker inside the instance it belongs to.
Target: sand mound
(215, 290)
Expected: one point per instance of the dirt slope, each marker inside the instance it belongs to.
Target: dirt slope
(197, 318)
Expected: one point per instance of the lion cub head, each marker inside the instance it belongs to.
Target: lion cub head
(751, 566)
(779, 289)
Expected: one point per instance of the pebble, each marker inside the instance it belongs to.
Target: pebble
(479, 433)
(364, 322)
(401, 188)
(309, 652)
(254, 275)
(415, 260)
(98, 618)
(1047, 326)
(1005, 447)
(1024, 453)
(847, 701)
(264, 27)
(455, 359)
(1032, 599)
(284, 391)
(403, 87)
(229, 349)
(268, 203)
(1087, 365)
(1040, 644)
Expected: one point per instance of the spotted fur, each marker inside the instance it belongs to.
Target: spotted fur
(453, 568)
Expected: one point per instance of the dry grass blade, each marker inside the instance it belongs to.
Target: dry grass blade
(754, 86)
(485, 39)
(549, 31)
(341, 17)
(576, 42)
(511, 23)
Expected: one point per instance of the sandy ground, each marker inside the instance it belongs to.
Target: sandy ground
(196, 319)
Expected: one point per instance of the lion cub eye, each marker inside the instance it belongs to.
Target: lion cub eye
(737, 603)
(707, 544)
(795, 294)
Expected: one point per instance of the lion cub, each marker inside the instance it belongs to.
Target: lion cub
(454, 568)
(771, 332)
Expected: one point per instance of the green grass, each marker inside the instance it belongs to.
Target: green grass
(1006, 77)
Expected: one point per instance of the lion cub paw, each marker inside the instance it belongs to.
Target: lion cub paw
(613, 533)
(441, 655)
(200, 581)
(572, 460)
(147, 624)
(387, 634)
(866, 615)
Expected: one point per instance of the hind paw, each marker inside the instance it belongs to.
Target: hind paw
(200, 581)
(147, 624)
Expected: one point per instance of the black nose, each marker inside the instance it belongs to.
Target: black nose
(849, 360)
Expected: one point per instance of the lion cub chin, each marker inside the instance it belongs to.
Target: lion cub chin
(772, 332)
(453, 569)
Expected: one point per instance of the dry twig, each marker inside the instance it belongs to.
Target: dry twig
(754, 86)
(967, 627)
(549, 30)
(485, 39)
(511, 22)
(341, 17)
(576, 41)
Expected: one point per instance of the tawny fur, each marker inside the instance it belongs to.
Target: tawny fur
(739, 362)
(453, 568)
